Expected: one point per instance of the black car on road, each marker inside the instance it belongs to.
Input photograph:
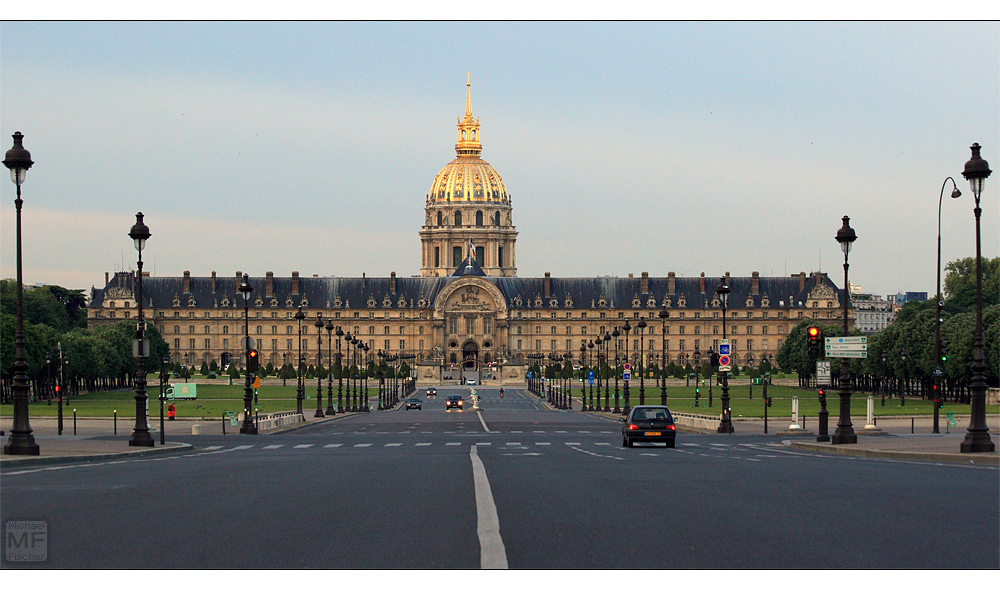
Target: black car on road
(431, 391)
(413, 404)
(649, 424)
(453, 401)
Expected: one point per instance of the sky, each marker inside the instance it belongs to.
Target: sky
(692, 146)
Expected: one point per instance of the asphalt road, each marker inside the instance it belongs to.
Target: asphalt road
(517, 485)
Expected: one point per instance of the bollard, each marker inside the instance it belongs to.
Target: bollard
(223, 424)
(116, 422)
(74, 421)
(196, 429)
(911, 425)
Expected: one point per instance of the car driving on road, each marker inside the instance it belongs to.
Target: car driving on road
(431, 391)
(413, 404)
(453, 401)
(649, 424)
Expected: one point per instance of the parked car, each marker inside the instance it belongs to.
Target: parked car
(413, 403)
(470, 382)
(649, 424)
(453, 401)
(431, 391)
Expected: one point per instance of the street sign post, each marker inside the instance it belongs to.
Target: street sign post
(823, 373)
(725, 362)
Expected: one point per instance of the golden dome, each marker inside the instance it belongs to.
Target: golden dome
(468, 177)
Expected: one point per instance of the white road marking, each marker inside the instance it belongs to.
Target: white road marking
(273, 447)
(333, 446)
(483, 422)
(492, 554)
(302, 446)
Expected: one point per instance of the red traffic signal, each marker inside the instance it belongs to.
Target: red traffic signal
(253, 360)
(813, 339)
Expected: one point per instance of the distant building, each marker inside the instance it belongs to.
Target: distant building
(872, 313)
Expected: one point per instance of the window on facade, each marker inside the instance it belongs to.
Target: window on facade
(371, 329)
(274, 329)
(458, 218)
(440, 219)
(681, 330)
(177, 329)
(469, 325)
(191, 343)
(258, 329)
(479, 218)
(456, 255)
(177, 343)
(191, 330)
(496, 218)
(553, 330)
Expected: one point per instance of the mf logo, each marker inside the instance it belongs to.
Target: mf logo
(26, 540)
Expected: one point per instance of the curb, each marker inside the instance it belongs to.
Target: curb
(10, 462)
(992, 460)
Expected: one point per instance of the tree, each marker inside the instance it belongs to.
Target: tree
(960, 284)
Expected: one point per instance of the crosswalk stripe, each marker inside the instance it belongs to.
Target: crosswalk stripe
(424, 444)
(301, 446)
(393, 444)
(452, 444)
(543, 444)
(333, 446)
(362, 445)
(273, 447)
(572, 444)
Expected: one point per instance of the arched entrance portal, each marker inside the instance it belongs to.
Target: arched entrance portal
(470, 355)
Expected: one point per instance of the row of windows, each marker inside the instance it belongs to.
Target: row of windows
(458, 218)
(635, 346)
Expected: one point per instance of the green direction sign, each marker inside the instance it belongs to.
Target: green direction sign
(849, 354)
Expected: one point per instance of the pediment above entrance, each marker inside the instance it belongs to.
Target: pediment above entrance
(470, 294)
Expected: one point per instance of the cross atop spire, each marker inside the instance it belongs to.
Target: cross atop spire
(468, 128)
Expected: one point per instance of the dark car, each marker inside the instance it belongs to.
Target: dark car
(453, 401)
(413, 403)
(431, 391)
(649, 424)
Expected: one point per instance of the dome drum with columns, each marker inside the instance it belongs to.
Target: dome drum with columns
(468, 205)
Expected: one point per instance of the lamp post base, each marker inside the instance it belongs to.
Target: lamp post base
(21, 444)
(977, 441)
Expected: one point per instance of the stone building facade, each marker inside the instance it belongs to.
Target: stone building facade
(475, 312)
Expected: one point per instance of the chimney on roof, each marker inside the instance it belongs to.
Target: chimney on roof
(106, 278)
(547, 286)
(295, 282)
(269, 284)
(187, 281)
(213, 282)
(819, 278)
(392, 282)
(671, 283)
(644, 283)
(802, 280)
(364, 281)
(755, 283)
(703, 283)
(630, 275)
(239, 274)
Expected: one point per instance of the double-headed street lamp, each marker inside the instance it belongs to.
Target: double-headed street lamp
(664, 314)
(21, 441)
(726, 424)
(319, 374)
(245, 289)
(330, 410)
(300, 392)
(607, 377)
(977, 438)
(140, 433)
(615, 334)
(627, 407)
(642, 360)
(845, 431)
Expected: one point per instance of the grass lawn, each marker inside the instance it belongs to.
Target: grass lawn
(212, 401)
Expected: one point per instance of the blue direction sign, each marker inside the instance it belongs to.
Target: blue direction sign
(590, 377)
(724, 347)
(627, 375)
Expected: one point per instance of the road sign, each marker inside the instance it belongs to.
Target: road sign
(725, 361)
(627, 375)
(145, 348)
(243, 343)
(848, 346)
(724, 347)
(823, 373)
(847, 354)
(628, 367)
(938, 372)
(590, 377)
(846, 340)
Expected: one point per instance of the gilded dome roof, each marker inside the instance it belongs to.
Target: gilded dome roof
(468, 177)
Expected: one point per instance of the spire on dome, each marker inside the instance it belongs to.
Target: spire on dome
(468, 128)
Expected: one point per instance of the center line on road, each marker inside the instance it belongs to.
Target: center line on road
(332, 446)
(301, 446)
(273, 446)
(393, 444)
(492, 554)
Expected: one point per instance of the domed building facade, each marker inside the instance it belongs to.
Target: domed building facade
(468, 309)
(468, 207)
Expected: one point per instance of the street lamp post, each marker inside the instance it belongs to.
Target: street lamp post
(607, 377)
(615, 334)
(977, 438)
(726, 424)
(845, 431)
(664, 314)
(366, 348)
(248, 426)
(300, 393)
(21, 441)
(163, 398)
(140, 433)
(902, 381)
(938, 369)
(319, 374)
(642, 360)
(585, 362)
(590, 353)
(330, 410)
(627, 407)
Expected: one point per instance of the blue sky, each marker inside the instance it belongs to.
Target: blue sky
(652, 146)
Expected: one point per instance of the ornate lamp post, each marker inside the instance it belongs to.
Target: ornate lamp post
(590, 354)
(585, 362)
(382, 402)
(627, 407)
(642, 360)
(845, 431)
(615, 334)
(726, 424)
(245, 289)
(163, 384)
(319, 374)
(300, 383)
(21, 441)
(664, 314)
(938, 369)
(977, 438)
(607, 377)
(330, 410)
(365, 360)
(140, 433)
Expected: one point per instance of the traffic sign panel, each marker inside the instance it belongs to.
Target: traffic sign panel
(847, 339)
(852, 354)
(724, 347)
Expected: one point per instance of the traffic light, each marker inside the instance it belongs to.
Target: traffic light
(813, 339)
(944, 350)
(769, 400)
(253, 360)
